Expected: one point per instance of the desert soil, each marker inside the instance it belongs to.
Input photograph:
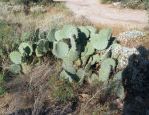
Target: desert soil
(99, 13)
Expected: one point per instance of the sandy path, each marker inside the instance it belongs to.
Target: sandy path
(107, 14)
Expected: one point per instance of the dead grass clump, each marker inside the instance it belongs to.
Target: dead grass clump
(30, 90)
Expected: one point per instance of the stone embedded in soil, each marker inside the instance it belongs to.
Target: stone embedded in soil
(130, 35)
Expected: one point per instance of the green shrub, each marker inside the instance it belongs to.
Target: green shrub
(108, 1)
(2, 90)
(134, 4)
(63, 92)
(85, 54)
(33, 1)
(8, 37)
(4, 0)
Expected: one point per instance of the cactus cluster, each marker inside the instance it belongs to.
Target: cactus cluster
(33, 44)
(86, 53)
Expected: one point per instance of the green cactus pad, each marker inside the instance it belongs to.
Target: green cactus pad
(105, 69)
(85, 31)
(81, 73)
(91, 29)
(118, 89)
(67, 32)
(42, 47)
(88, 65)
(106, 33)
(118, 76)
(89, 50)
(100, 41)
(109, 62)
(69, 68)
(25, 49)
(59, 35)
(15, 68)
(73, 44)
(70, 31)
(71, 56)
(65, 76)
(15, 57)
(104, 73)
(51, 35)
(60, 49)
(96, 58)
(1, 53)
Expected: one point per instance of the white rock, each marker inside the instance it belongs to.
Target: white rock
(130, 35)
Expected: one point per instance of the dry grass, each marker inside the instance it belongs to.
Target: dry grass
(116, 29)
(34, 90)
(54, 16)
(30, 90)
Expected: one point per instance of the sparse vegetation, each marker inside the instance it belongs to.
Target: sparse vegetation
(134, 4)
(57, 64)
(2, 90)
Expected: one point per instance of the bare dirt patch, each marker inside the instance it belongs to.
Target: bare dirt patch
(107, 14)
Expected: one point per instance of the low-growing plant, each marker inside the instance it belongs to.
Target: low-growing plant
(8, 38)
(134, 4)
(108, 1)
(2, 90)
(86, 53)
(63, 92)
(33, 1)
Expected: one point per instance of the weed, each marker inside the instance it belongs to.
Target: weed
(2, 90)
(63, 91)
(108, 1)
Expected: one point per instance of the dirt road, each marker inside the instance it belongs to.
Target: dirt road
(107, 14)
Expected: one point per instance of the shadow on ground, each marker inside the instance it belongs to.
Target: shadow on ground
(136, 84)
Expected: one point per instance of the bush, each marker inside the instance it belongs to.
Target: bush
(134, 4)
(108, 1)
(33, 1)
(8, 39)
(2, 90)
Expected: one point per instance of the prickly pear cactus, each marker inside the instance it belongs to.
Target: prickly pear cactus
(100, 41)
(15, 57)
(82, 47)
(42, 47)
(106, 66)
(86, 54)
(60, 49)
(83, 50)
(25, 49)
(15, 68)
(51, 35)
